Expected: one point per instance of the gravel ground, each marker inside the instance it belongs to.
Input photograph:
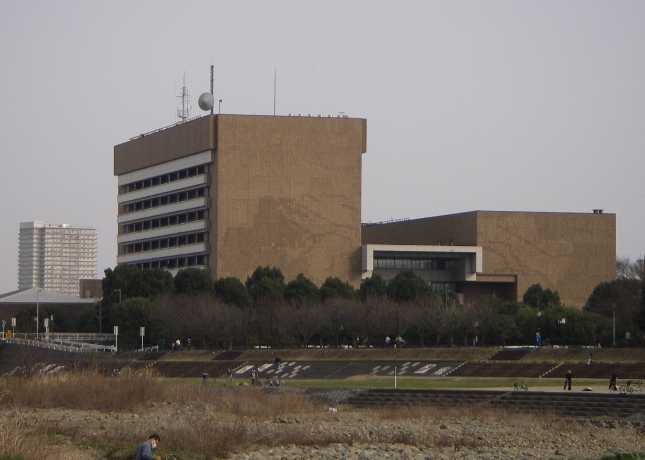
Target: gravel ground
(417, 433)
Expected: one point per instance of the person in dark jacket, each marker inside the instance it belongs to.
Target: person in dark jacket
(144, 452)
(567, 380)
(612, 381)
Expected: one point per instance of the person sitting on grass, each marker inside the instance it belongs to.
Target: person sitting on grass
(144, 452)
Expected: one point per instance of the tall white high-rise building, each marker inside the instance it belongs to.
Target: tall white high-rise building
(55, 257)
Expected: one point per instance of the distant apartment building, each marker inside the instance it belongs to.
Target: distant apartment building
(55, 257)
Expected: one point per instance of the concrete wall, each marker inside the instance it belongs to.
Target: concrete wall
(283, 191)
(288, 194)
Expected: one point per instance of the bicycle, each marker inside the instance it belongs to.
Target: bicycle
(631, 387)
(274, 382)
(517, 386)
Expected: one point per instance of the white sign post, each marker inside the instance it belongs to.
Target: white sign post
(142, 333)
(116, 338)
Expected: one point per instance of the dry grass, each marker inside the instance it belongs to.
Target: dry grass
(81, 390)
(205, 422)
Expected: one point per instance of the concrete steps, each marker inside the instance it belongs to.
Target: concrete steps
(511, 354)
(589, 405)
(497, 369)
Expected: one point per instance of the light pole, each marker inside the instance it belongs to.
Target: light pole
(614, 325)
(219, 109)
(37, 311)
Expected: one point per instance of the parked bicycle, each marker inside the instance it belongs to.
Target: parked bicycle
(273, 382)
(520, 386)
(631, 387)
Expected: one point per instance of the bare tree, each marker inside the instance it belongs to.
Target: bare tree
(626, 269)
(427, 315)
(449, 318)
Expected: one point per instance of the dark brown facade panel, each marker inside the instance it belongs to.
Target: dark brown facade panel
(456, 229)
(169, 144)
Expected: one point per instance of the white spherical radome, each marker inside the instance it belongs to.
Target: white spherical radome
(206, 101)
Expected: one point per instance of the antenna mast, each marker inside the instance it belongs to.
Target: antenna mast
(184, 113)
(212, 94)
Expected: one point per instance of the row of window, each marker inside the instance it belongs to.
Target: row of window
(440, 288)
(165, 178)
(165, 221)
(176, 197)
(413, 264)
(163, 243)
(179, 262)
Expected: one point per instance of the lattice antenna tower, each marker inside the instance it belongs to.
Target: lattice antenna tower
(184, 112)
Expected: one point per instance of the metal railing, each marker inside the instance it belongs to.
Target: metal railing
(70, 336)
(62, 345)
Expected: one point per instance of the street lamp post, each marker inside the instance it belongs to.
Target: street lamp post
(37, 311)
(614, 325)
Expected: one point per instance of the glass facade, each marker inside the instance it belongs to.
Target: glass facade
(412, 264)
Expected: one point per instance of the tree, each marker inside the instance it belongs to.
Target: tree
(151, 283)
(232, 291)
(334, 288)
(407, 286)
(482, 312)
(628, 270)
(266, 283)
(504, 327)
(374, 286)
(449, 317)
(130, 315)
(201, 318)
(301, 289)
(537, 297)
(622, 297)
(193, 281)
(301, 321)
(116, 283)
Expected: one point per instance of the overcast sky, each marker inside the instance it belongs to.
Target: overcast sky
(494, 105)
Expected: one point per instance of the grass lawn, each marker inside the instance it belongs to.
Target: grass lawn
(461, 383)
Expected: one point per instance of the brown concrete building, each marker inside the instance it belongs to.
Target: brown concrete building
(484, 252)
(230, 193)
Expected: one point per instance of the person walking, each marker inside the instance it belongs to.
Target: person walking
(144, 452)
(612, 381)
(567, 380)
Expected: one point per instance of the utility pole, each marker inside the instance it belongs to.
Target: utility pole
(614, 305)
